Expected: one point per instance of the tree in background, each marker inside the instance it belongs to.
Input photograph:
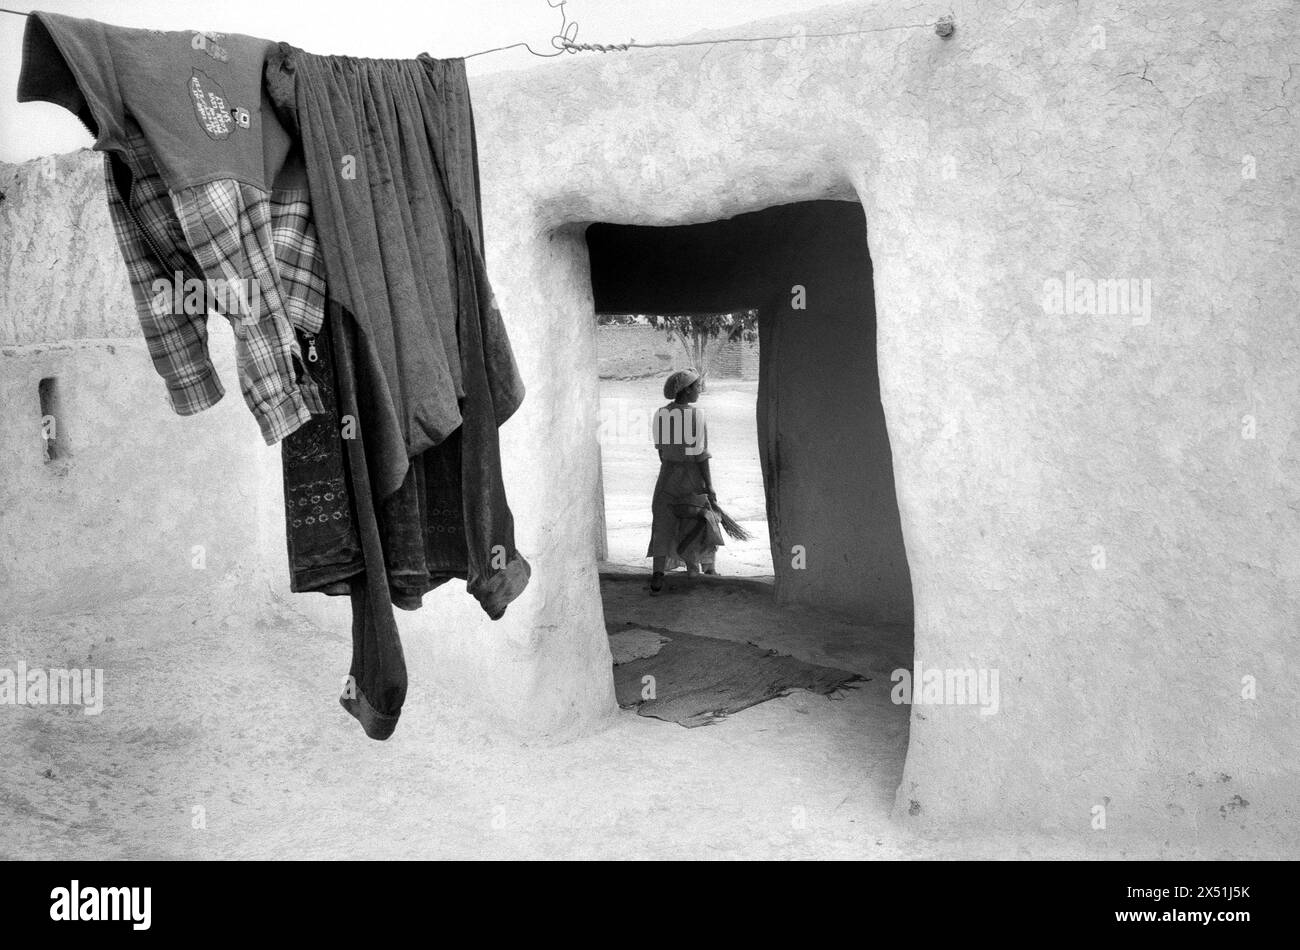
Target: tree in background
(698, 331)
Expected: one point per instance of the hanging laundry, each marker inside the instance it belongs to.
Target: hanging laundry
(345, 192)
(205, 188)
(422, 361)
(393, 172)
(335, 539)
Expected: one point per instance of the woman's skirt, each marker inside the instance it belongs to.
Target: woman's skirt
(678, 539)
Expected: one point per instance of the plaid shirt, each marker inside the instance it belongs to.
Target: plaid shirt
(258, 262)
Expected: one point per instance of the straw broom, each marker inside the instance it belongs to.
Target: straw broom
(730, 525)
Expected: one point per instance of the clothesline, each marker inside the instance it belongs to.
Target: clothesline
(565, 41)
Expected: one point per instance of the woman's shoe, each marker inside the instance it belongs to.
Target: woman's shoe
(656, 582)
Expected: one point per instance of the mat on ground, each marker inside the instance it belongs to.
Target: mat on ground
(695, 681)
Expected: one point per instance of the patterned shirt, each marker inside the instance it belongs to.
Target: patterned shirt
(230, 248)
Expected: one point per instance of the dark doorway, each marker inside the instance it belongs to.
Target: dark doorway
(828, 478)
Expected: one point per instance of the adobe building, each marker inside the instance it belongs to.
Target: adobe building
(1030, 377)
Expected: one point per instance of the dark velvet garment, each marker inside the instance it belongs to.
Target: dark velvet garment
(448, 519)
(334, 535)
(391, 162)
(422, 367)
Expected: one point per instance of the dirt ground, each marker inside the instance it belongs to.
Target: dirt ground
(221, 737)
(630, 467)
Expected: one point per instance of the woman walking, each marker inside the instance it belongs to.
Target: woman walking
(681, 531)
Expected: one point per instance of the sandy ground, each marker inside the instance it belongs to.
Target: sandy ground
(221, 735)
(221, 738)
(631, 466)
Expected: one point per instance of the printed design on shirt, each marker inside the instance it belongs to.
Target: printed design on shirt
(208, 42)
(210, 107)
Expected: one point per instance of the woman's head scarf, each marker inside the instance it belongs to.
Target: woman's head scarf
(679, 381)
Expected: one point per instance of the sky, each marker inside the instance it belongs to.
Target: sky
(381, 28)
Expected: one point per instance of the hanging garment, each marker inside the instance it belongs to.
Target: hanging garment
(205, 190)
(336, 543)
(387, 553)
(423, 362)
(322, 523)
(393, 173)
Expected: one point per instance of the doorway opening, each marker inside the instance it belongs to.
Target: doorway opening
(835, 607)
(834, 533)
(635, 353)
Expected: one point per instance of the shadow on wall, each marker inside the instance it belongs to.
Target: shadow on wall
(836, 538)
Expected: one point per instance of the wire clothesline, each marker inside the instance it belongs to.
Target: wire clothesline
(566, 40)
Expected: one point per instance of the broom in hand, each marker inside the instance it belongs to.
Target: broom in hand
(729, 524)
